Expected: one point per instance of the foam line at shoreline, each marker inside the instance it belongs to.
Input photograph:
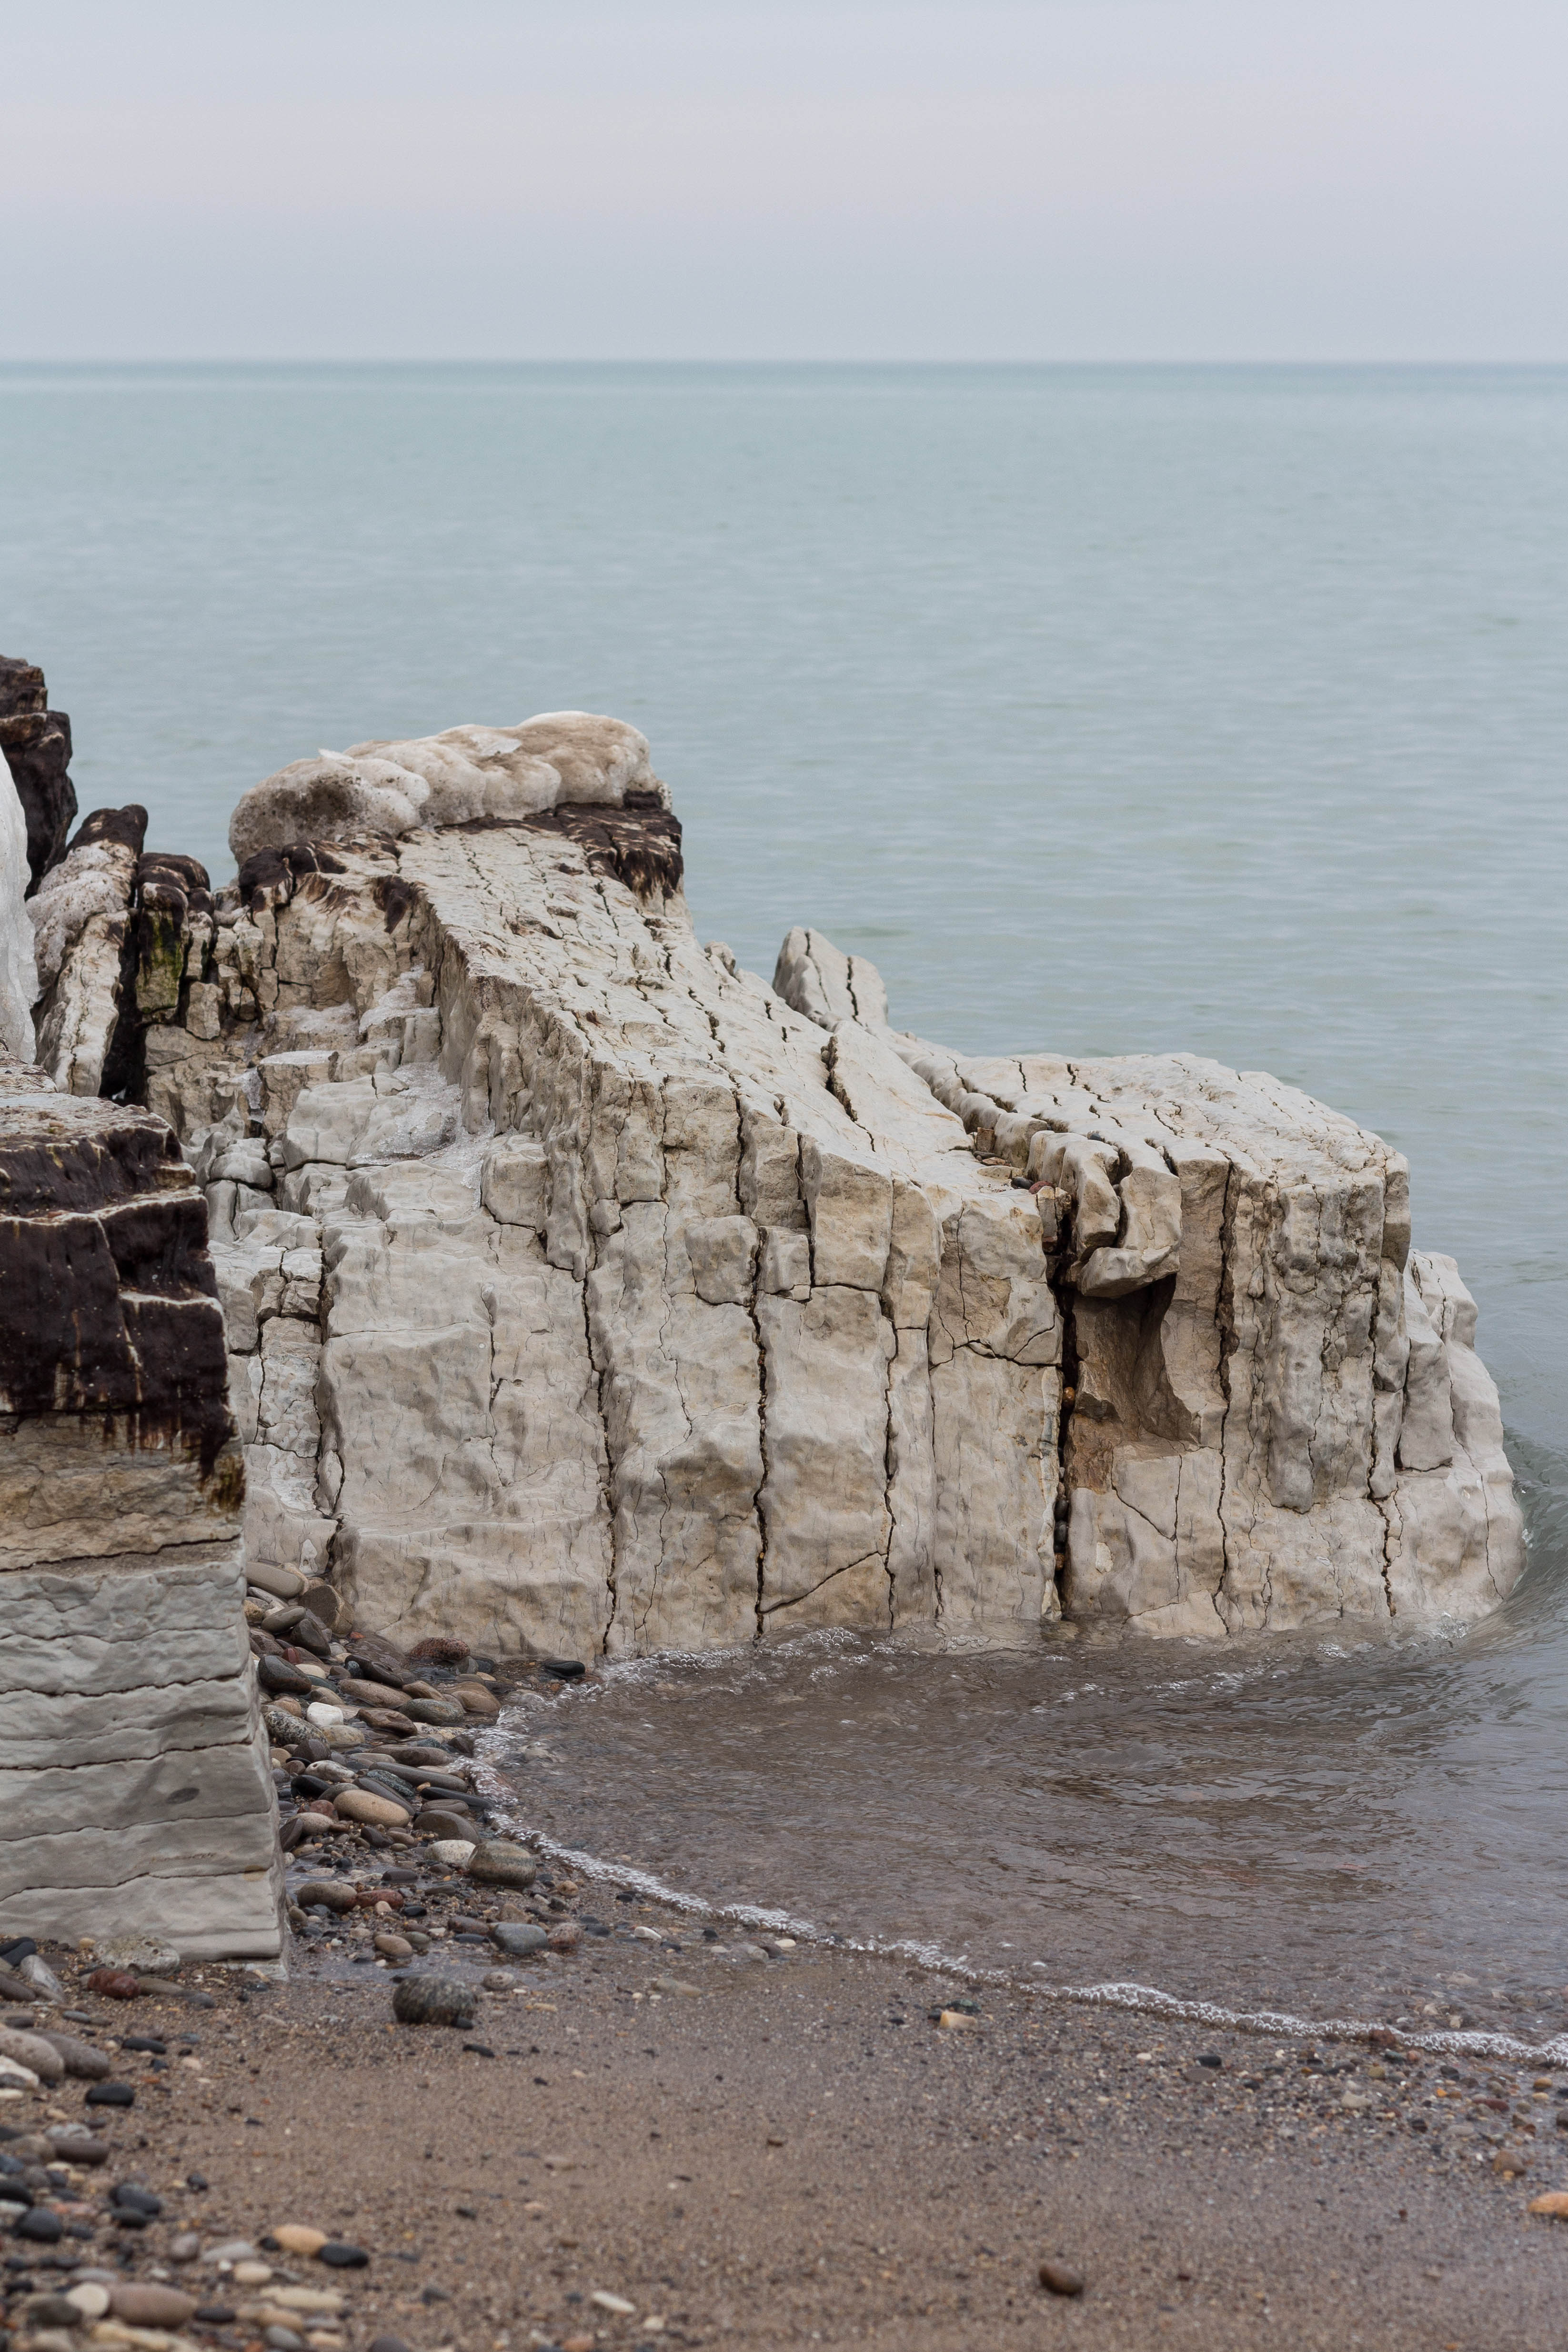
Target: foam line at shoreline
(1146, 2000)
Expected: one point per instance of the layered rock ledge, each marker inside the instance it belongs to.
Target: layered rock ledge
(134, 1776)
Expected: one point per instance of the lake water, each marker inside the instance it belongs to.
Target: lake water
(1106, 709)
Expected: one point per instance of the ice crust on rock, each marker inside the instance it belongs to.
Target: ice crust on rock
(465, 774)
(583, 1293)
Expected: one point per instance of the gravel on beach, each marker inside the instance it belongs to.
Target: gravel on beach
(507, 2106)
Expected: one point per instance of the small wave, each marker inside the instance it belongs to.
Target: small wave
(1148, 2000)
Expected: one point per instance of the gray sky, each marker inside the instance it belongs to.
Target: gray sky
(1070, 179)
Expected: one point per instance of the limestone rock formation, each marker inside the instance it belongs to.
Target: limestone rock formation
(138, 1794)
(584, 1293)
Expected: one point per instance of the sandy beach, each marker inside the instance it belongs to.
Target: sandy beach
(797, 2150)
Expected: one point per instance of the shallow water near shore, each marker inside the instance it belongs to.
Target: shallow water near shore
(1332, 1827)
(1108, 709)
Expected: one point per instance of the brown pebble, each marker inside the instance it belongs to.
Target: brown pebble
(114, 1984)
(142, 2304)
(1057, 2278)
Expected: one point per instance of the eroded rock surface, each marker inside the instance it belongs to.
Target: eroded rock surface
(584, 1293)
(136, 1790)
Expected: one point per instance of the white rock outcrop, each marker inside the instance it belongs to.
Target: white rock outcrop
(583, 1293)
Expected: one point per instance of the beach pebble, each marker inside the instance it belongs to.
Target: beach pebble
(335, 1894)
(299, 2238)
(81, 2059)
(340, 2256)
(567, 1938)
(476, 1699)
(497, 1981)
(953, 2020)
(1554, 2206)
(389, 2344)
(35, 1971)
(453, 1853)
(315, 1824)
(363, 1805)
(74, 2145)
(144, 1953)
(31, 2050)
(1061, 2278)
(114, 1984)
(393, 1948)
(252, 2274)
(516, 1940)
(498, 1861)
(89, 2298)
(433, 1710)
(185, 2247)
(46, 2229)
(111, 2095)
(278, 2339)
(616, 2304)
(141, 2302)
(1509, 2161)
(677, 1984)
(48, 2310)
(433, 2000)
(229, 2250)
(444, 1822)
(282, 1680)
(129, 2197)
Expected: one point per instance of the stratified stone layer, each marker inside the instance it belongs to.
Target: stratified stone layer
(135, 1786)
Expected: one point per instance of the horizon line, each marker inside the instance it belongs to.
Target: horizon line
(472, 360)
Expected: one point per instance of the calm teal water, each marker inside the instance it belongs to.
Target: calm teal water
(1114, 708)
(1106, 709)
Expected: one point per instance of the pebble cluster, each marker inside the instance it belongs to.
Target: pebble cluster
(77, 2195)
(391, 1863)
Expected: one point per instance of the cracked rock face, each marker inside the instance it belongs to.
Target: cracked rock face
(138, 1797)
(1277, 1413)
(583, 1293)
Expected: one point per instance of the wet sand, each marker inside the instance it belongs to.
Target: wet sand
(797, 2153)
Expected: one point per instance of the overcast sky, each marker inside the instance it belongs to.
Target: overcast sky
(1070, 179)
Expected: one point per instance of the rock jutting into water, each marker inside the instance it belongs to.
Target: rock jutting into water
(585, 1293)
